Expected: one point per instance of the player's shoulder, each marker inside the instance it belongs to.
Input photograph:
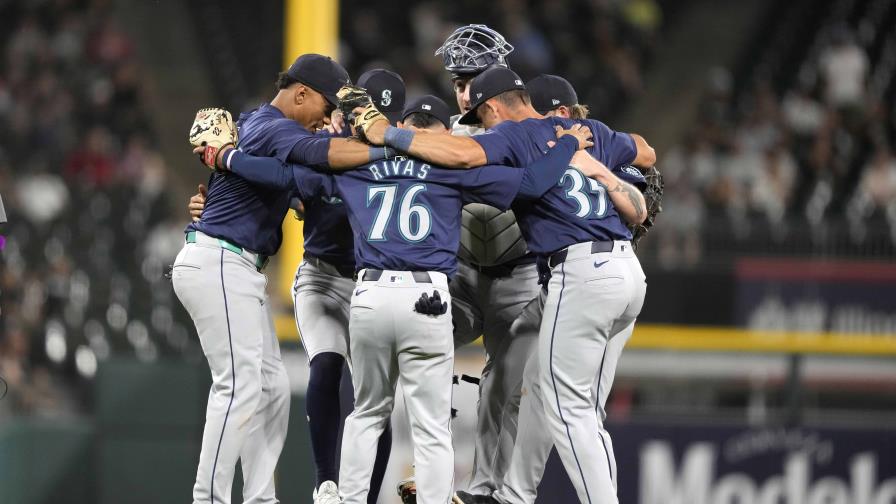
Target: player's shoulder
(269, 117)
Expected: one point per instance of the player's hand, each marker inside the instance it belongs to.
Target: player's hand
(197, 203)
(211, 157)
(370, 125)
(337, 122)
(580, 132)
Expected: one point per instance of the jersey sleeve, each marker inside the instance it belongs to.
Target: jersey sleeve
(277, 138)
(493, 185)
(632, 175)
(612, 148)
(273, 174)
(498, 143)
(310, 150)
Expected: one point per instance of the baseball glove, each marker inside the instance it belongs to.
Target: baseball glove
(407, 490)
(352, 97)
(653, 197)
(213, 129)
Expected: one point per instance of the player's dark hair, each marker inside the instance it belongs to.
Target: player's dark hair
(284, 80)
(514, 98)
(421, 120)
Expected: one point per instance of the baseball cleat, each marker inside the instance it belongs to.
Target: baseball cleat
(327, 493)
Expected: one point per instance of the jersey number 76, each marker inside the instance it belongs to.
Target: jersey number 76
(414, 219)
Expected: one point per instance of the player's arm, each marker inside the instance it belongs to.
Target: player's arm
(443, 150)
(627, 199)
(333, 152)
(646, 156)
(263, 171)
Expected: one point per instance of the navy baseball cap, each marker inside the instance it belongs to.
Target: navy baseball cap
(320, 73)
(430, 105)
(549, 92)
(488, 84)
(386, 89)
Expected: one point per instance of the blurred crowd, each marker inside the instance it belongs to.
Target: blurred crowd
(83, 185)
(601, 46)
(804, 159)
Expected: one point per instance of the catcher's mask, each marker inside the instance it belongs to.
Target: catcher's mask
(473, 48)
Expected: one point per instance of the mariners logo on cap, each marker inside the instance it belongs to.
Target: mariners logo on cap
(386, 98)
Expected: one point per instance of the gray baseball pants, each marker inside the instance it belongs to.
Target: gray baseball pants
(248, 404)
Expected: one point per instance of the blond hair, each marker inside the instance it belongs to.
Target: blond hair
(578, 111)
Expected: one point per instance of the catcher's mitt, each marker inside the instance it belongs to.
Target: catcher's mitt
(653, 197)
(352, 97)
(213, 129)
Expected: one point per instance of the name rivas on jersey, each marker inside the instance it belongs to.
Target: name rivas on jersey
(696, 481)
(399, 167)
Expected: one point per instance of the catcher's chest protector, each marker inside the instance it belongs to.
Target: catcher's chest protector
(488, 236)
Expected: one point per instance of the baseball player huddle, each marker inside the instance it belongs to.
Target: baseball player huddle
(422, 232)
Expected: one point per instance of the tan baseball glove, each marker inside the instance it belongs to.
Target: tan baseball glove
(213, 129)
(350, 98)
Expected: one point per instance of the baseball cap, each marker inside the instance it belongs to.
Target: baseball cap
(488, 84)
(320, 73)
(430, 105)
(386, 89)
(550, 91)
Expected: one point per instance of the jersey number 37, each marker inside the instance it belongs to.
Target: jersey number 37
(578, 192)
(414, 219)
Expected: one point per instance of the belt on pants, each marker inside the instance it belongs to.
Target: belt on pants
(373, 275)
(258, 260)
(596, 246)
(344, 272)
(503, 269)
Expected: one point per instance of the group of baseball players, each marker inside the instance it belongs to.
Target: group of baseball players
(423, 231)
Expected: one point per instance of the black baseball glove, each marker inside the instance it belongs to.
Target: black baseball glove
(431, 305)
(653, 197)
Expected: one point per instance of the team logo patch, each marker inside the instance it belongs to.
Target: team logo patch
(386, 98)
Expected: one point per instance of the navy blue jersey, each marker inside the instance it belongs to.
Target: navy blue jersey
(251, 216)
(406, 213)
(578, 209)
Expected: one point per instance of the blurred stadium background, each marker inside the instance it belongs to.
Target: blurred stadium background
(763, 367)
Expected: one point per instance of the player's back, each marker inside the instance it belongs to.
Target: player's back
(405, 213)
(578, 208)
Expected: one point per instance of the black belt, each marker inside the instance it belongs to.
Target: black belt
(372, 275)
(503, 269)
(345, 272)
(596, 246)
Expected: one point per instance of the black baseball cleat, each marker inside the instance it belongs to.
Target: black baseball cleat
(468, 498)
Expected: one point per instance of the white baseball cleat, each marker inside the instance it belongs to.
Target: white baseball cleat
(327, 493)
